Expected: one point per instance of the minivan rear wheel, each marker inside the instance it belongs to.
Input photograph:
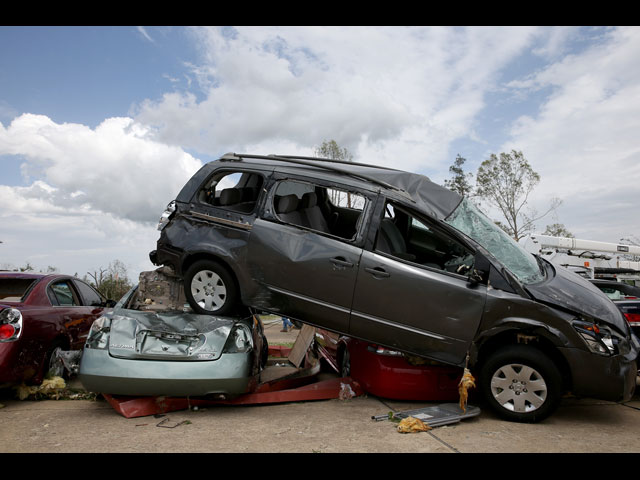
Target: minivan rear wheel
(210, 288)
(521, 383)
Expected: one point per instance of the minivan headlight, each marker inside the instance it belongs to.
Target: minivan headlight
(598, 338)
(10, 324)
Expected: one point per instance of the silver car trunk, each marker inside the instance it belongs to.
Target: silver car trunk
(168, 336)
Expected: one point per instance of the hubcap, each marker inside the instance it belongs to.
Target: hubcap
(208, 290)
(518, 388)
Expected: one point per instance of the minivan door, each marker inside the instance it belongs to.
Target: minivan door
(412, 291)
(305, 259)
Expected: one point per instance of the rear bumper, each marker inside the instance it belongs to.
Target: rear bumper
(229, 375)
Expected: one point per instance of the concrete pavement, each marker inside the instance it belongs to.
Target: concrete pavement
(329, 426)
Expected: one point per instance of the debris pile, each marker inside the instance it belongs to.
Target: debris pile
(53, 388)
(466, 382)
(412, 425)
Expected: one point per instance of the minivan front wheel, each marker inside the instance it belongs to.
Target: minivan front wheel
(521, 383)
(210, 288)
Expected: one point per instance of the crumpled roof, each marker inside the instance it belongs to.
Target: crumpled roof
(428, 196)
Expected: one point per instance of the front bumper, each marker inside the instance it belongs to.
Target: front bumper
(229, 375)
(611, 378)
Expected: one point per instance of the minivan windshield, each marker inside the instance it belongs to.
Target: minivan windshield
(473, 223)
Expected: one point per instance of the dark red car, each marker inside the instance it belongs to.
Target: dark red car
(38, 314)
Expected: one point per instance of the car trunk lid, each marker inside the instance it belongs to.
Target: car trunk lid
(168, 336)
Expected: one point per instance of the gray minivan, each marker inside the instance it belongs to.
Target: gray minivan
(392, 258)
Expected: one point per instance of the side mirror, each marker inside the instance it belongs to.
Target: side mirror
(480, 270)
(110, 303)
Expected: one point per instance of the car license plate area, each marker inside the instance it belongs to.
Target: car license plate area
(159, 344)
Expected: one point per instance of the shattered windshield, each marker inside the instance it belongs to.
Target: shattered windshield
(473, 223)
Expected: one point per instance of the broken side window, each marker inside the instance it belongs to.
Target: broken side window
(408, 236)
(328, 210)
(233, 190)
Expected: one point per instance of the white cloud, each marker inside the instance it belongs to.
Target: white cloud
(405, 93)
(583, 141)
(118, 168)
(95, 195)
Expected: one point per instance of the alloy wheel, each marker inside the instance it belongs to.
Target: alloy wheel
(208, 290)
(518, 388)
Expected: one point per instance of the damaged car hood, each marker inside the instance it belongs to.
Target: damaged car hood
(167, 335)
(570, 291)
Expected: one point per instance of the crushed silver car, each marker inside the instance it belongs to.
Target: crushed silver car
(133, 351)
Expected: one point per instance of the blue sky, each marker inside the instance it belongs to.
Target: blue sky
(100, 126)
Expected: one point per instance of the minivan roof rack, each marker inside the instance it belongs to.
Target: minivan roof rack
(318, 162)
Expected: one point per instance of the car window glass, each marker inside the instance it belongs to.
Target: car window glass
(14, 289)
(406, 236)
(332, 211)
(90, 297)
(232, 190)
(470, 221)
(64, 294)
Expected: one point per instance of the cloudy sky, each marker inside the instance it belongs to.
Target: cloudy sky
(101, 126)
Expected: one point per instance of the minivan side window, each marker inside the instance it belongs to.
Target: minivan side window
(331, 211)
(406, 236)
(233, 190)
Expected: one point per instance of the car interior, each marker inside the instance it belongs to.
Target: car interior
(404, 236)
(326, 210)
(237, 191)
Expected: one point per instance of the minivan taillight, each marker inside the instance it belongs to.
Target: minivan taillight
(166, 215)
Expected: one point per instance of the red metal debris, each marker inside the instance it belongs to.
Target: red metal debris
(131, 407)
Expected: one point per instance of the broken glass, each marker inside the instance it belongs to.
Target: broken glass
(473, 223)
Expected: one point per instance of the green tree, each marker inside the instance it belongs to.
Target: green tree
(461, 181)
(330, 149)
(112, 282)
(557, 230)
(506, 182)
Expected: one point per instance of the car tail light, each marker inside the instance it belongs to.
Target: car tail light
(10, 324)
(7, 331)
(632, 317)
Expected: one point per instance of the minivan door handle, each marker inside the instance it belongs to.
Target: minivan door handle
(378, 272)
(341, 262)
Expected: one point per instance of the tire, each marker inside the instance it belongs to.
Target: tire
(53, 365)
(210, 289)
(521, 384)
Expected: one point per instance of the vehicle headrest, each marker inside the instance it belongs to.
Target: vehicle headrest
(287, 204)
(309, 200)
(229, 196)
